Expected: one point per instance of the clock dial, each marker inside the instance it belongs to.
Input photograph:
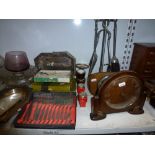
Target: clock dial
(122, 92)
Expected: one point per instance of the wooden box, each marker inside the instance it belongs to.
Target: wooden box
(143, 60)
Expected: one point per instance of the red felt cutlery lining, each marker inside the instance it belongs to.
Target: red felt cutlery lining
(41, 113)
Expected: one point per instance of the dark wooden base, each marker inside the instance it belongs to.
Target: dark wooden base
(136, 110)
(98, 116)
(99, 112)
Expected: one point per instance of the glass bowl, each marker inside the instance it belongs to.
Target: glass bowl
(16, 61)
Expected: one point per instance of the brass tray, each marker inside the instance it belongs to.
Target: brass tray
(11, 100)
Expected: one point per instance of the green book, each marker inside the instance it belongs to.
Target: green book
(55, 76)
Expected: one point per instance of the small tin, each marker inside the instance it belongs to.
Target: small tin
(82, 98)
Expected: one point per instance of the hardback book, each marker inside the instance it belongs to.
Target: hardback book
(53, 76)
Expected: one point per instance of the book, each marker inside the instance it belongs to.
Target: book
(53, 76)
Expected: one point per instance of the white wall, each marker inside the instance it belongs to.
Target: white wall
(145, 31)
(35, 36)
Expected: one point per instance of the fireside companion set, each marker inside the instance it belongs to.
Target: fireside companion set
(46, 95)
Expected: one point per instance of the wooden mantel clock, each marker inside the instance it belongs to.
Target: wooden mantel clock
(116, 92)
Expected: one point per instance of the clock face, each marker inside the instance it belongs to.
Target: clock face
(122, 92)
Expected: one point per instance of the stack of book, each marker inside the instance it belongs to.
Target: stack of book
(56, 72)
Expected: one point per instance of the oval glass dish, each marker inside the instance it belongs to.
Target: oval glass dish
(11, 100)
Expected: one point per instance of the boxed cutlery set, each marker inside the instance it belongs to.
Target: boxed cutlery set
(49, 110)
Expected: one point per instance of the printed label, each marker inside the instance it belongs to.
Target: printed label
(93, 80)
(122, 84)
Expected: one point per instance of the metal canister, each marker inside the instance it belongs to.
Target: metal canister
(80, 75)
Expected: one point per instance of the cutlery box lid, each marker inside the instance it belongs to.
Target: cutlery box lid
(61, 60)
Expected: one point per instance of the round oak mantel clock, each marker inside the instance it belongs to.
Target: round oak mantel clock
(117, 92)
